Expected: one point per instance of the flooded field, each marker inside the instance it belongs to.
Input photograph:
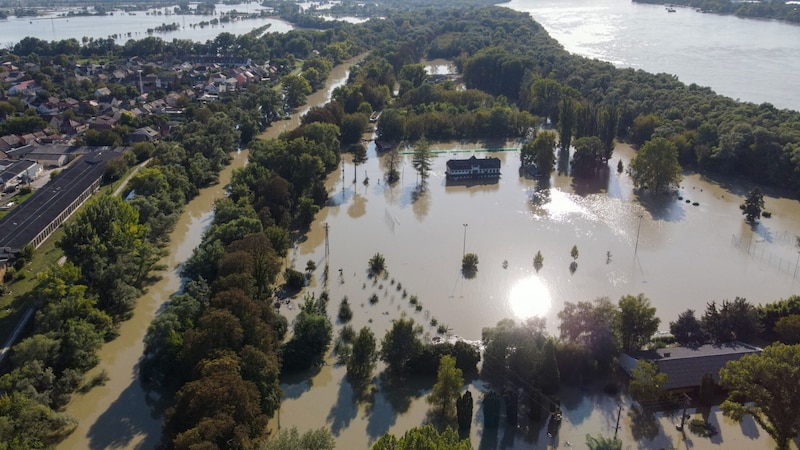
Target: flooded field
(678, 254)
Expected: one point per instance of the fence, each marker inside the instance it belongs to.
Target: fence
(764, 255)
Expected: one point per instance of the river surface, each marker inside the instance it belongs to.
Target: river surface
(749, 59)
(51, 27)
(121, 414)
(679, 255)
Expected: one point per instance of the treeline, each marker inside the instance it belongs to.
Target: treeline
(777, 10)
(112, 249)
(535, 75)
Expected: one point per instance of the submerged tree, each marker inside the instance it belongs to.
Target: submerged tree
(422, 159)
(449, 381)
(752, 206)
(656, 165)
(469, 265)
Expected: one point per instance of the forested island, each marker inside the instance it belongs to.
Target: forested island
(776, 10)
(220, 345)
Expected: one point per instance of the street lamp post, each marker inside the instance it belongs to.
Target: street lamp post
(464, 250)
(639, 228)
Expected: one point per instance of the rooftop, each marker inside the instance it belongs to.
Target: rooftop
(25, 222)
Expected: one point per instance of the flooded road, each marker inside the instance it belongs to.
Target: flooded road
(120, 415)
(678, 254)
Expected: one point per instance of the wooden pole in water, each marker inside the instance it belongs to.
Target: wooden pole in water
(464, 250)
(638, 229)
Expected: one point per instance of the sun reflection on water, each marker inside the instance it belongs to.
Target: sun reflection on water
(530, 297)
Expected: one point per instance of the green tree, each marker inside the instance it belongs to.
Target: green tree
(540, 152)
(312, 338)
(469, 264)
(423, 438)
(421, 161)
(637, 322)
(788, 329)
(592, 325)
(753, 205)
(538, 260)
(589, 156)
(603, 443)
(296, 89)
(574, 252)
(391, 126)
(291, 439)
(400, 344)
(377, 265)
(647, 383)
(767, 387)
(449, 380)
(361, 361)
(687, 330)
(566, 123)
(656, 165)
(359, 157)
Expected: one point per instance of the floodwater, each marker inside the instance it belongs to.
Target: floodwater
(749, 59)
(679, 255)
(134, 25)
(120, 414)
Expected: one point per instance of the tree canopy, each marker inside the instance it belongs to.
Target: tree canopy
(766, 386)
(655, 165)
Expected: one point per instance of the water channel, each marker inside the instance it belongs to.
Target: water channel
(120, 414)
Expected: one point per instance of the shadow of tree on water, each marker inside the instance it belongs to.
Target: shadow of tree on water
(118, 425)
(661, 206)
(350, 396)
(644, 425)
(393, 397)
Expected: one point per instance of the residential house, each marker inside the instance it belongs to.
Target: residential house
(473, 167)
(686, 366)
(9, 142)
(23, 88)
(144, 134)
(103, 123)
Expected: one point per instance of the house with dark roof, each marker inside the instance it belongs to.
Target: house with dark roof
(685, 366)
(473, 167)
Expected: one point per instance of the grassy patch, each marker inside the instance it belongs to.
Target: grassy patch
(13, 305)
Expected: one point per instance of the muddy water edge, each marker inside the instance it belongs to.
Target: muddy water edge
(121, 414)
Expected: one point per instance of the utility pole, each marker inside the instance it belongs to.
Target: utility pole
(619, 413)
(639, 228)
(327, 243)
(464, 250)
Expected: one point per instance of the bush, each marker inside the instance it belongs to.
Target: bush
(294, 279)
(345, 313)
(373, 299)
(377, 265)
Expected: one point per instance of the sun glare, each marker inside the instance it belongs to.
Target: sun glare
(530, 297)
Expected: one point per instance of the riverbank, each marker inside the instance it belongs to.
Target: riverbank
(121, 413)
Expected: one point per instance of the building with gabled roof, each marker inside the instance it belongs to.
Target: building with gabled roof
(473, 167)
(685, 366)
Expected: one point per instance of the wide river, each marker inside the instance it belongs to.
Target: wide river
(748, 59)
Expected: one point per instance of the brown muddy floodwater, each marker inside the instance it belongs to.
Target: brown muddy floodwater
(679, 255)
(121, 415)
